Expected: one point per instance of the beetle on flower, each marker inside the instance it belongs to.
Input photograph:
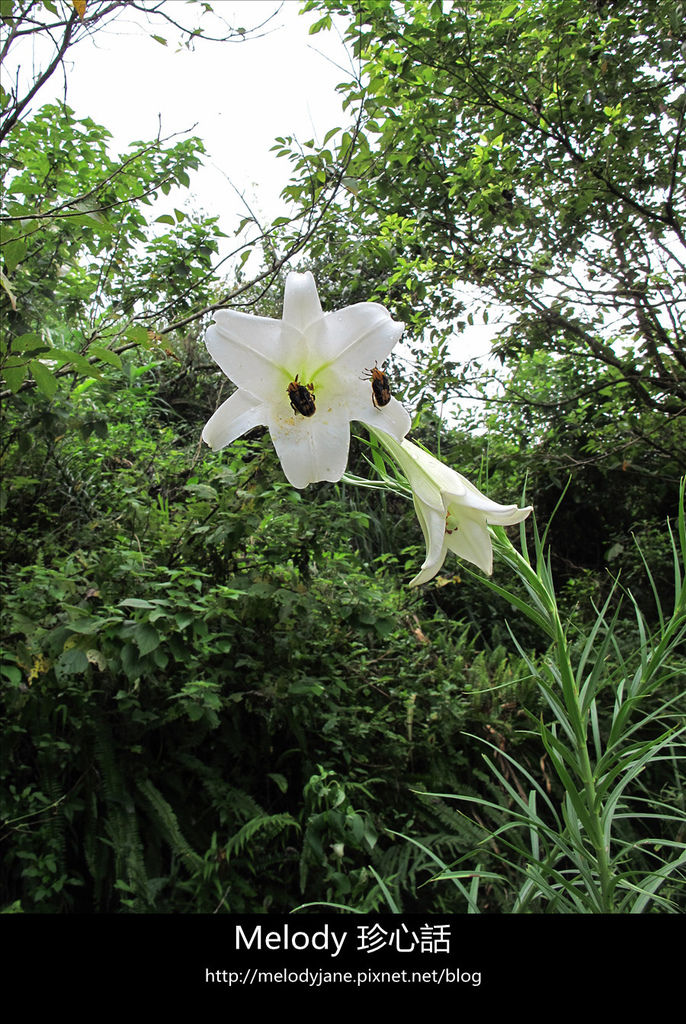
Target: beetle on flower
(300, 377)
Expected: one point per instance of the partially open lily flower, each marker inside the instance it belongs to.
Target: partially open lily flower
(453, 514)
(303, 377)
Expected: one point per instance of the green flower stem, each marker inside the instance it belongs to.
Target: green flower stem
(540, 587)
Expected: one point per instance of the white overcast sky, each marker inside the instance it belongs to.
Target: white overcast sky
(236, 96)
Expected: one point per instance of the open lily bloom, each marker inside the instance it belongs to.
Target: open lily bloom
(303, 378)
(453, 514)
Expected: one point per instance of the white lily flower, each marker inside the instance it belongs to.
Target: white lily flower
(452, 513)
(303, 377)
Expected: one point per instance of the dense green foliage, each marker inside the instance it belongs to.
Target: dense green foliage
(217, 692)
(208, 681)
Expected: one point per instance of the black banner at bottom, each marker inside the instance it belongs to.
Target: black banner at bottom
(277, 960)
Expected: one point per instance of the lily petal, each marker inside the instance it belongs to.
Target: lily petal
(471, 540)
(301, 306)
(433, 528)
(310, 451)
(393, 418)
(251, 350)
(502, 515)
(358, 336)
(238, 414)
(356, 395)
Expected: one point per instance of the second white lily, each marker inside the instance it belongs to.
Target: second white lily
(452, 513)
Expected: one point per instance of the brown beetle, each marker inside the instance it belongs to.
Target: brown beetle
(302, 397)
(381, 389)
